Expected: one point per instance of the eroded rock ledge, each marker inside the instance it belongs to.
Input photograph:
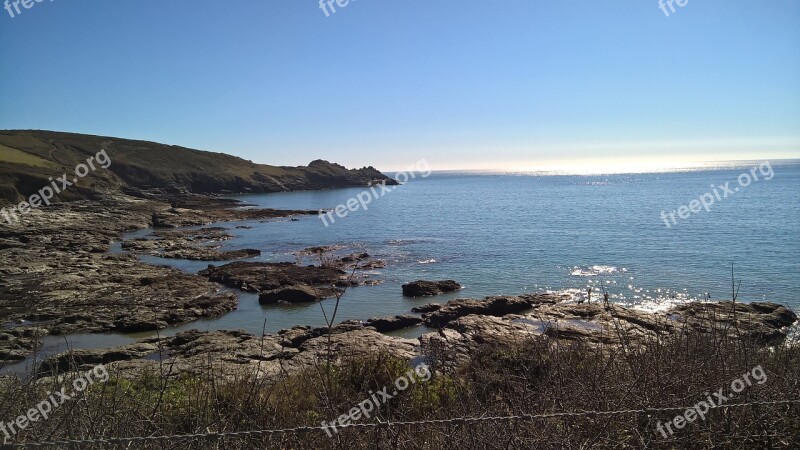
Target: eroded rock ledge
(57, 277)
(422, 288)
(501, 321)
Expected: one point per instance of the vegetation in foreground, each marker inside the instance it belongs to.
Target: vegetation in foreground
(537, 375)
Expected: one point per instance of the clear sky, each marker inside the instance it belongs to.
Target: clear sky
(465, 84)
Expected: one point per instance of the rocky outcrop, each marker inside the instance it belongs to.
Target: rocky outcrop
(491, 306)
(387, 324)
(372, 265)
(198, 245)
(231, 353)
(762, 323)
(60, 279)
(84, 358)
(296, 294)
(430, 307)
(185, 217)
(422, 288)
(263, 277)
(56, 276)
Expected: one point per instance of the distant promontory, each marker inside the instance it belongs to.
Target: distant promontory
(29, 158)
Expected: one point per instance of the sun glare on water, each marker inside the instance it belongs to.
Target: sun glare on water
(618, 167)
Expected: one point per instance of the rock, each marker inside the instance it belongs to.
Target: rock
(354, 257)
(77, 359)
(235, 353)
(318, 250)
(295, 336)
(195, 245)
(59, 282)
(296, 294)
(374, 264)
(62, 279)
(423, 288)
(762, 323)
(491, 306)
(387, 324)
(207, 254)
(430, 307)
(263, 277)
(186, 217)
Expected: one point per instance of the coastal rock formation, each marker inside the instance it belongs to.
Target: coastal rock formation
(262, 277)
(371, 265)
(296, 294)
(430, 307)
(491, 306)
(61, 280)
(763, 323)
(17, 342)
(230, 353)
(57, 277)
(422, 288)
(198, 245)
(185, 217)
(387, 324)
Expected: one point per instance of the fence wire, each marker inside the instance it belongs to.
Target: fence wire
(454, 421)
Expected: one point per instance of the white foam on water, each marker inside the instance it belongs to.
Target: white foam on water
(593, 271)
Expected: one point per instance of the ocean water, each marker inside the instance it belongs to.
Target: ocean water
(514, 233)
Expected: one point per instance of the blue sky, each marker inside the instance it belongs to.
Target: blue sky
(510, 84)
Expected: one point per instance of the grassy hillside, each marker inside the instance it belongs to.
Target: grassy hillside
(29, 158)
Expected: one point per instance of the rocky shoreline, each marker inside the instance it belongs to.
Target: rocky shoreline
(57, 277)
(467, 325)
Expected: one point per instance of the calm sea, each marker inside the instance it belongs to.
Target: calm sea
(515, 233)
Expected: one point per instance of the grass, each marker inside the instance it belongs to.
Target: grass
(12, 155)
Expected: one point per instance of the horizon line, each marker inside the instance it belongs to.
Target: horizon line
(623, 169)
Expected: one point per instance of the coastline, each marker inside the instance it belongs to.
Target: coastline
(90, 290)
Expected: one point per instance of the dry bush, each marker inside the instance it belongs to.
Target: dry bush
(534, 376)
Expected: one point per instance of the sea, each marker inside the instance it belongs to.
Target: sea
(647, 239)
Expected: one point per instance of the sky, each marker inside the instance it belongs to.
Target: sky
(504, 84)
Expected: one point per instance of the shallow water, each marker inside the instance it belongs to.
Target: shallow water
(515, 233)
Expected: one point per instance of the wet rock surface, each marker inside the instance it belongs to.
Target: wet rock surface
(261, 277)
(430, 307)
(296, 294)
(422, 288)
(387, 324)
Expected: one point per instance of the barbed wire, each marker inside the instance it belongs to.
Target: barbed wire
(457, 420)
